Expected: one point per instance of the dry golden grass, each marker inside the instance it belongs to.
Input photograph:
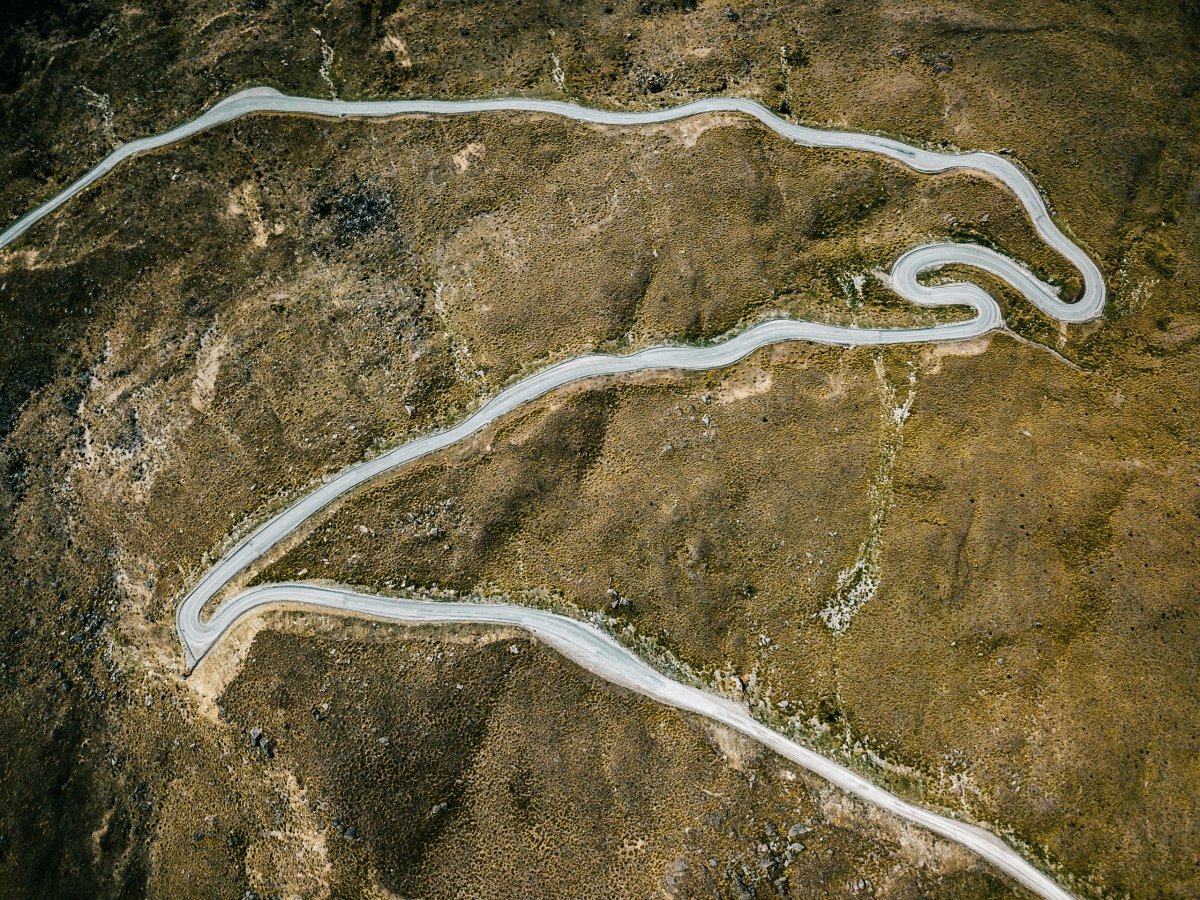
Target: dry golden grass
(226, 321)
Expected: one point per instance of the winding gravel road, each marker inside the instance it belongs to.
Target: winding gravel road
(582, 643)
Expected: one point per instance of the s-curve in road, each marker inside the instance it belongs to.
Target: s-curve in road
(580, 642)
(596, 652)
(695, 358)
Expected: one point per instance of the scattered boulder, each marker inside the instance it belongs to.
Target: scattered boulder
(262, 743)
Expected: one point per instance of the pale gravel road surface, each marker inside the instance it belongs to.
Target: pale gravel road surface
(582, 643)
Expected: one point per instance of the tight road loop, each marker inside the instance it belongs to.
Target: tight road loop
(586, 645)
